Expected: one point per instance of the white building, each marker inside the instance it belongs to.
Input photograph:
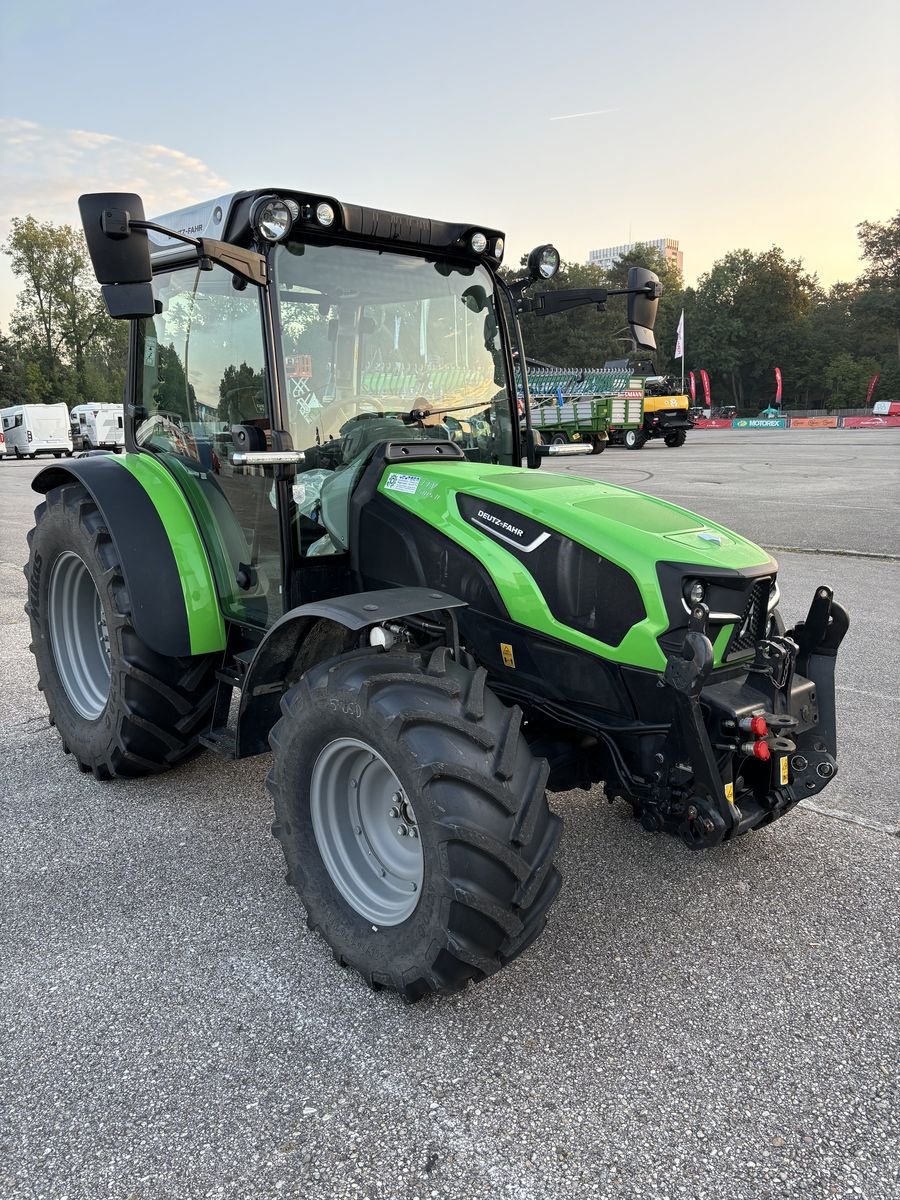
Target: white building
(668, 248)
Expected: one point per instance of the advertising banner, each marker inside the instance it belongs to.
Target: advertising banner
(714, 423)
(813, 422)
(760, 423)
(704, 379)
(873, 383)
(870, 422)
(778, 385)
(693, 385)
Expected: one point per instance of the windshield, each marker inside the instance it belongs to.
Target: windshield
(379, 345)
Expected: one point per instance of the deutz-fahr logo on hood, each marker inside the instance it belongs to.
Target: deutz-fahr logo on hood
(503, 524)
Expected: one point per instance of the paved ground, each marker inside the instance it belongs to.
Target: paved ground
(718, 1025)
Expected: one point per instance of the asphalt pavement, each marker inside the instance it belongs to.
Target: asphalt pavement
(718, 1025)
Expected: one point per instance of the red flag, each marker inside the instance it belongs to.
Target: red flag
(778, 385)
(873, 382)
(704, 379)
(693, 385)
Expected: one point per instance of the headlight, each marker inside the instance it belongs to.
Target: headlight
(694, 591)
(478, 242)
(325, 214)
(498, 248)
(543, 262)
(273, 217)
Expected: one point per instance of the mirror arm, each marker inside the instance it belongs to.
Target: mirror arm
(546, 303)
(244, 263)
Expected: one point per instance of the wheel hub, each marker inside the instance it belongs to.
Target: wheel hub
(366, 831)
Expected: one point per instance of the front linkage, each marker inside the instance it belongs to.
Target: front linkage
(746, 748)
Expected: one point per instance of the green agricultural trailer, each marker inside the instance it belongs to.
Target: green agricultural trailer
(320, 541)
(587, 407)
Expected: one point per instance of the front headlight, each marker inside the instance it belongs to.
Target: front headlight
(694, 591)
(273, 217)
(478, 242)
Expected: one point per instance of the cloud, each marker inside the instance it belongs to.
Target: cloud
(597, 112)
(45, 170)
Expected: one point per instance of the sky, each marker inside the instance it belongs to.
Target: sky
(581, 122)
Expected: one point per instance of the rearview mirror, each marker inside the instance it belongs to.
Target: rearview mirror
(120, 255)
(643, 301)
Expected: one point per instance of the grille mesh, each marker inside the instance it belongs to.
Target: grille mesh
(752, 625)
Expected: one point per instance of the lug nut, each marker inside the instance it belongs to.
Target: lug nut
(395, 811)
(402, 831)
(413, 832)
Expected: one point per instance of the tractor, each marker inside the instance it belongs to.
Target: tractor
(321, 541)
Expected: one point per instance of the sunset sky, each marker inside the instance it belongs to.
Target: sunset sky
(579, 122)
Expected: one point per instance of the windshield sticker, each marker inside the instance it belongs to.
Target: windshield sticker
(403, 483)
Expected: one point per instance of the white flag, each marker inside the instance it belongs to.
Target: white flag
(679, 337)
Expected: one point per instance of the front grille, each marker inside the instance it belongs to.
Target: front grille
(752, 625)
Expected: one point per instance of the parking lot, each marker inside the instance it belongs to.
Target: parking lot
(718, 1025)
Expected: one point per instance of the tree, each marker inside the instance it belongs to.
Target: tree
(59, 324)
(847, 379)
(880, 248)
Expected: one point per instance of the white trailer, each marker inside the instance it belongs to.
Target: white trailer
(33, 429)
(98, 426)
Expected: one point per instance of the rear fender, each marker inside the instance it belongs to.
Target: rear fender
(174, 605)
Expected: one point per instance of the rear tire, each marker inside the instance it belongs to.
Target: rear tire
(466, 782)
(634, 439)
(676, 438)
(559, 439)
(120, 708)
(598, 445)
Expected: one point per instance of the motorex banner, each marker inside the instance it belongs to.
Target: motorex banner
(760, 423)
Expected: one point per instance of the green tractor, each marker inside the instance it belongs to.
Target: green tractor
(321, 540)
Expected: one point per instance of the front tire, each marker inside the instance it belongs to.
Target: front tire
(598, 445)
(676, 438)
(561, 438)
(371, 741)
(120, 708)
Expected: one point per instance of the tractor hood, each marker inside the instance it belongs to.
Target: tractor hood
(615, 522)
(577, 559)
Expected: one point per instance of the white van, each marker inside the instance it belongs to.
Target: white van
(3, 442)
(98, 427)
(33, 429)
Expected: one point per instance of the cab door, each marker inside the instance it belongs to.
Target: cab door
(202, 371)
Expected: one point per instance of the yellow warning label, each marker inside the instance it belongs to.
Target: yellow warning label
(729, 792)
(509, 659)
(783, 766)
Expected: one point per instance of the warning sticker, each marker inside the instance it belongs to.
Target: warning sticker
(729, 792)
(402, 483)
(783, 766)
(506, 651)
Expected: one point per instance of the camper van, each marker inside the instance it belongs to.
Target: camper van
(98, 427)
(33, 429)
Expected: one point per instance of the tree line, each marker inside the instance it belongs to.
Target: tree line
(747, 315)
(751, 312)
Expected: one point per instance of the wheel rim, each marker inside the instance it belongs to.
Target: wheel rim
(366, 832)
(630, 437)
(559, 439)
(78, 636)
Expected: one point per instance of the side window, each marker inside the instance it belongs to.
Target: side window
(203, 370)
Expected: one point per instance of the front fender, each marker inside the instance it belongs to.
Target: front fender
(175, 608)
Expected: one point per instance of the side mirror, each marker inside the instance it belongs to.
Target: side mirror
(643, 301)
(120, 255)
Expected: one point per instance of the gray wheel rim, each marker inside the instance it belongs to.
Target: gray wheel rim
(78, 636)
(366, 832)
